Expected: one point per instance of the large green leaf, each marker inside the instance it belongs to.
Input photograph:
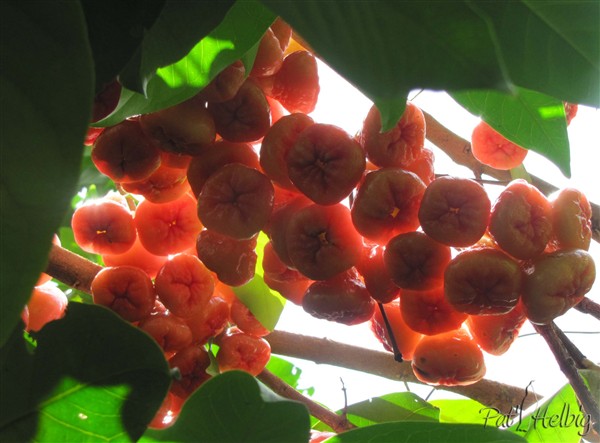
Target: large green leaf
(532, 120)
(462, 411)
(289, 373)
(238, 33)
(559, 418)
(46, 91)
(551, 47)
(234, 407)
(92, 377)
(180, 25)
(387, 49)
(405, 432)
(265, 303)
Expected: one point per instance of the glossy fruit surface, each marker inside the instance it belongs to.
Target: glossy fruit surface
(493, 149)
(406, 339)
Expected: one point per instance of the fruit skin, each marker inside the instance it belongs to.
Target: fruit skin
(325, 163)
(571, 220)
(406, 338)
(225, 85)
(398, 147)
(245, 320)
(192, 363)
(278, 276)
(321, 241)
(211, 321)
(296, 84)
(269, 56)
(170, 332)
(455, 211)
(376, 275)
(387, 204)
(520, 220)
(416, 261)
(449, 359)
(238, 350)
(483, 281)
(137, 256)
(496, 333)
(46, 303)
(555, 282)
(494, 150)
(342, 299)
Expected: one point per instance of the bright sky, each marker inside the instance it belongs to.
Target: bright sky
(528, 359)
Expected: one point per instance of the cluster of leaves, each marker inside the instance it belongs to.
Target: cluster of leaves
(55, 55)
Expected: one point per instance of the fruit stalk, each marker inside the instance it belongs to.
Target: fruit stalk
(459, 150)
(336, 422)
(588, 306)
(567, 366)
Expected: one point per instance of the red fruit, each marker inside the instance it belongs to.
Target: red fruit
(233, 260)
(455, 211)
(423, 166)
(92, 135)
(387, 204)
(245, 320)
(496, 333)
(521, 220)
(269, 56)
(46, 303)
(184, 285)
(450, 359)
(398, 147)
(236, 201)
(168, 228)
(483, 281)
(238, 350)
(406, 339)
(225, 85)
(277, 144)
(137, 256)
(43, 278)
(126, 290)
(415, 261)
(192, 363)
(170, 332)
(186, 128)
(570, 111)
(296, 84)
(164, 185)
(214, 158)
(494, 150)
(244, 118)
(103, 227)
(428, 312)
(124, 153)
(278, 276)
(106, 100)
(376, 276)
(571, 220)
(282, 31)
(209, 322)
(342, 299)
(325, 163)
(321, 241)
(555, 283)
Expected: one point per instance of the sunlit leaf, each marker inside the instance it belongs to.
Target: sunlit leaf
(233, 408)
(460, 411)
(532, 120)
(289, 373)
(46, 90)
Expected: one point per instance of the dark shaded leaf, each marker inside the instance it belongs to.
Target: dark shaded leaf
(46, 90)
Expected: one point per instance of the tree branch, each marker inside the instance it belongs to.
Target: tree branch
(567, 366)
(588, 306)
(78, 272)
(334, 421)
(459, 150)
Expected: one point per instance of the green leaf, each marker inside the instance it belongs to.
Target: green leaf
(558, 419)
(46, 90)
(527, 118)
(94, 376)
(289, 373)
(425, 432)
(400, 406)
(116, 30)
(266, 304)
(180, 25)
(240, 30)
(460, 411)
(234, 407)
(551, 47)
(387, 49)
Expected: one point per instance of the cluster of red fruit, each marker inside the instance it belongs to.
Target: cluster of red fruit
(351, 221)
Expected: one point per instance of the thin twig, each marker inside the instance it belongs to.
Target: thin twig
(390, 333)
(588, 306)
(568, 368)
(459, 150)
(573, 351)
(334, 421)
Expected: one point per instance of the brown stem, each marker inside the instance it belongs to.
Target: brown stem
(71, 269)
(567, 366)
(459, 150)
(574, 353)
(330, 418)
(325, 351)
(588, 306)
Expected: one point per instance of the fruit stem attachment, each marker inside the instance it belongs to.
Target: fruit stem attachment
(588, 306)
(334, 421)
(567, 366)
(390, 332)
